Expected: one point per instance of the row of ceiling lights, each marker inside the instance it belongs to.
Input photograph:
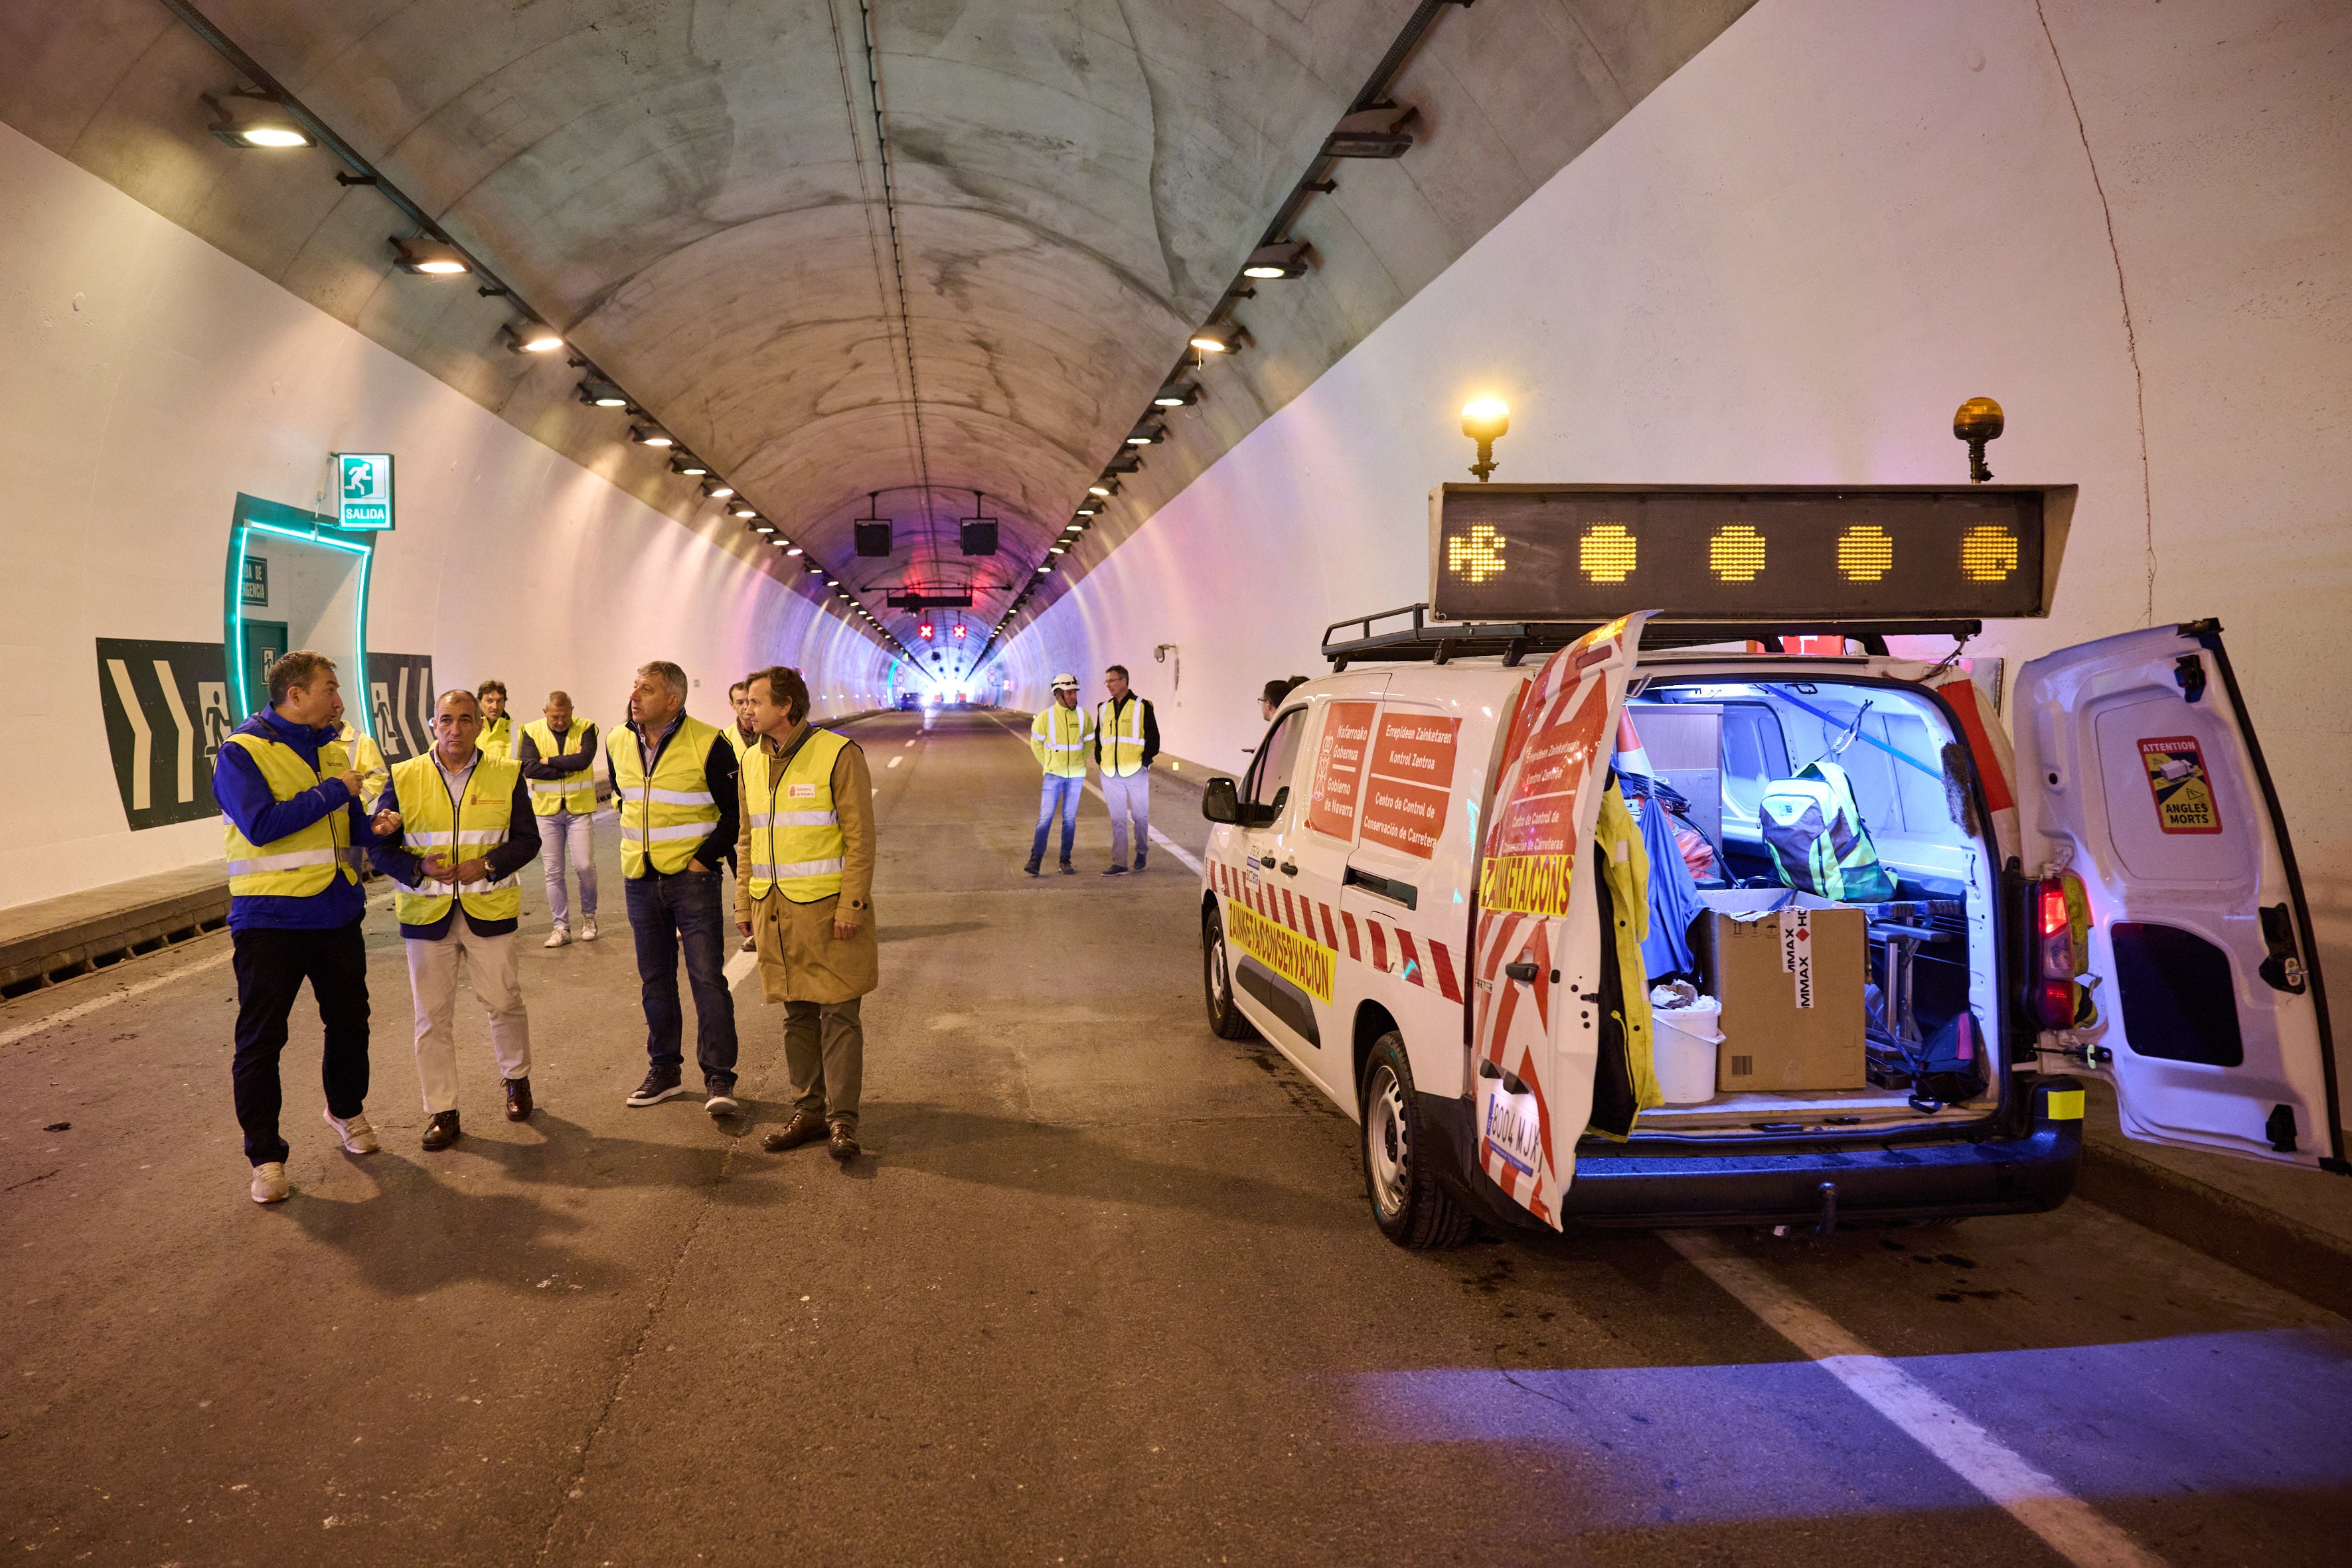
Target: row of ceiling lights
(246, 119)
(1372, 132)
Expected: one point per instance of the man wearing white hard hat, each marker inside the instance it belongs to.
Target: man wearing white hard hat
(1060, 737)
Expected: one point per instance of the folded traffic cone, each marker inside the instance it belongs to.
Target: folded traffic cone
(1631, 758)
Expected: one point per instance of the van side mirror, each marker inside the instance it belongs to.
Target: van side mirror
(1221, 801)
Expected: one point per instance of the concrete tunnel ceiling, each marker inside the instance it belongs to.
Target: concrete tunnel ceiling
(980, 296)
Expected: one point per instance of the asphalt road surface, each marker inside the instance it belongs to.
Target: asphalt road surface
(1103, 1290)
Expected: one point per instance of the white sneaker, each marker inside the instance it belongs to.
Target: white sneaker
(269, 1182)
(561, 935)
(355, 1135)
(587, 927)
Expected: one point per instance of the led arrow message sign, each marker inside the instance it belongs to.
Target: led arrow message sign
(1892, 552)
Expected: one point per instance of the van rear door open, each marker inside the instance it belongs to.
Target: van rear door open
(2138, 775)
(1535, 1034)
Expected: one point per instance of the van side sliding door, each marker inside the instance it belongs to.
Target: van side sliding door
(1535, 1037)
(2140, 775)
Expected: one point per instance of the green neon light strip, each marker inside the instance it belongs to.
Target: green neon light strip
(255, 515)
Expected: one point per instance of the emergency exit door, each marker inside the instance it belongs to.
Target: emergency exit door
(264, 645)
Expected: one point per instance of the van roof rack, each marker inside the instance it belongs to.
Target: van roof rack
(1423, 640)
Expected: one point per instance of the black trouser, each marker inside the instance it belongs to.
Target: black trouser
(271, 968)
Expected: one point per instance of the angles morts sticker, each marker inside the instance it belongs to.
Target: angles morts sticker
(2183, 790)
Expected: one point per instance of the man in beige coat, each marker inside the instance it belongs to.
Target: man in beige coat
(804, 895)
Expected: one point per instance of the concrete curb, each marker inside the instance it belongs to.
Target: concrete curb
(2273, 1248)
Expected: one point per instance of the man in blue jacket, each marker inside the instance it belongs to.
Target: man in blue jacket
(290, 799)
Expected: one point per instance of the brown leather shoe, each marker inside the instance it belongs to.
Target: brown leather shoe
(806, 1127)
(442, 1131)
(518, 1099)
(844, 1145)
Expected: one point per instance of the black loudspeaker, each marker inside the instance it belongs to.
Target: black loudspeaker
(979, 538)
(873, 539)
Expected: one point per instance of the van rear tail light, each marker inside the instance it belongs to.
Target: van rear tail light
(2061, 929)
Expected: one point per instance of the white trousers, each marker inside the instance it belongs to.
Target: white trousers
(489, 962)
(1128, 797)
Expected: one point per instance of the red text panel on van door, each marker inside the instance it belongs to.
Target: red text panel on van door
(1335, 788)
(1411, 780)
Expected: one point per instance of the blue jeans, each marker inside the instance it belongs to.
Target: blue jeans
(1063, 793)
(563, 836)
(667, 913)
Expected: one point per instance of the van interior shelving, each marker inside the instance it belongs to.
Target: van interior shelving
(1718, 741)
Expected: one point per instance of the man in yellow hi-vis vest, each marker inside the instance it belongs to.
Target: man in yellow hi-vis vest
(804, 895)
(1127, 737)
(468, 827)
(498, 730)
(289, 798)
(558, 753)
(1059, 737)
(674, 784)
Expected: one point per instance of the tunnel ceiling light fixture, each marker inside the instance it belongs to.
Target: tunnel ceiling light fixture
(1221, 338)
(1145, 434)
(763, 526)
(1128, 461)
(1176, 395)
(430, 257)
(719, 491)
(791, 548)
(688, 463)
(1105, 488)
(602, 394)
(1074, 528)
(1058, 550)
(743, 509)
(1286, 260)
(532, 338)
(651, 436)
(255, 120)
(1043, 570)
(1375, 133)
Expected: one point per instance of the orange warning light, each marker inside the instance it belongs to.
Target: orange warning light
(1477, 556)
(1736, 553)
(1608, 553)
(1989, 554)
(1866, 553)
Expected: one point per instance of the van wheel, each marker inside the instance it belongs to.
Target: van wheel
(1407, 1204)
(1225, 1020)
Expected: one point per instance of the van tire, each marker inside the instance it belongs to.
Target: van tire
(1225, 1020)
(1407, 1204)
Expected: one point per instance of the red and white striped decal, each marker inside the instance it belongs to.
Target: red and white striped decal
(1440, 970)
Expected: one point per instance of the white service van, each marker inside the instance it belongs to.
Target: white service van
(1405, 894)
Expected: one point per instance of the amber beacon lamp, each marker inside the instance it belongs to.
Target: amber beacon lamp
(1977, 421)
(1486, 420)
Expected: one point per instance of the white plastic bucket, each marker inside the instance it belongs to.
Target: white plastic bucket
(1682, 1042)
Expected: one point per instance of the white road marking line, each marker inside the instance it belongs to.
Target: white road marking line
(742, 964)
(137, 988)
(1182, 854)
(911, 743)
(2068, 1525)
(895, 761)
(1157, 838)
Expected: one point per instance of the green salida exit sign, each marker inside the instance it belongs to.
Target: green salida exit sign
(363, 491)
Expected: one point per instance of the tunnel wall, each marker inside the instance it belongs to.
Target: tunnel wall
(151, 379)
(1790, 264)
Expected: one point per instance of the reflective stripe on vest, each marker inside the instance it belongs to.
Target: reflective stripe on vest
(1123, 747)
(574, 793)
(480, 823)
(304, 863)
(801, 852)
(664, 817)
(1061, 732)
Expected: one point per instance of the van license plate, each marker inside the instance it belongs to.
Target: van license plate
(1513, 1130)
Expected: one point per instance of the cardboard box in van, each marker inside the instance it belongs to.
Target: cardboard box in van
(1791, 981)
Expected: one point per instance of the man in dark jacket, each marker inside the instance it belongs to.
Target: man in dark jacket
(289, 798)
